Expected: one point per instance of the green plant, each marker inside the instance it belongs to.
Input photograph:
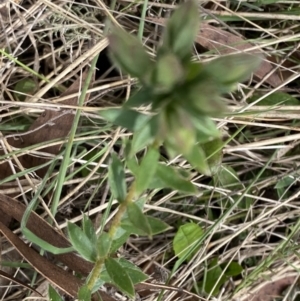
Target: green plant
(217, 274)
(182, 95)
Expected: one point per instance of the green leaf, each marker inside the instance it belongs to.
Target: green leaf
(129, 54)
(132, 164)
(129, 228)
(168, 73)
(233, 269)
(138, 219)
(156, 183)
(227, 178)
(231, 69)
(43, 244)
(144, 136)
(194, 72)
(214, 278)
(275, 98)
(127, 225)
(213, 152)
(81, 243)
(203, 98)
(146, 170)
(141, 98)
(181, 30)
(84, 294)
(185, 237)
(285, 182)
(53, 294)
(129, 119)
(24, 87)
(197, 158)
(89, 229)
(172, 179)
(157, 226)
(177, 130)
(140, 203)
(98, 284)
(119, 277)
(92, 156)
(120, 237)
(103, 244)
(206, 128)
(134, 273)
(116, 178)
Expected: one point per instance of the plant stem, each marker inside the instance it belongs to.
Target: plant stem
(95, 273)
(122, 208)
(115, 224)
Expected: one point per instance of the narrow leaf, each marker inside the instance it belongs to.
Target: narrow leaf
(24, 87)
(168, 73)
(206, 128)
(144, 136)
(285, 182)
(197, 158)
(135, 274)
(81, 243)
(89, 229)
(129, 54)
(141, 98)
(276, 98)
(104, 244)
(119, 276)
(214, 154)
(54, 295)
(116, 178)
(138, 219)
(240, 65)
(146, 170)
(84, 294)
(157, 226)
(121, 236)
(173, 179)
(126, 118)
(177, 129)
(181, 30)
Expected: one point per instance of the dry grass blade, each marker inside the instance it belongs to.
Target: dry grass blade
(4, 15)
(50, 125)
(10, 278)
